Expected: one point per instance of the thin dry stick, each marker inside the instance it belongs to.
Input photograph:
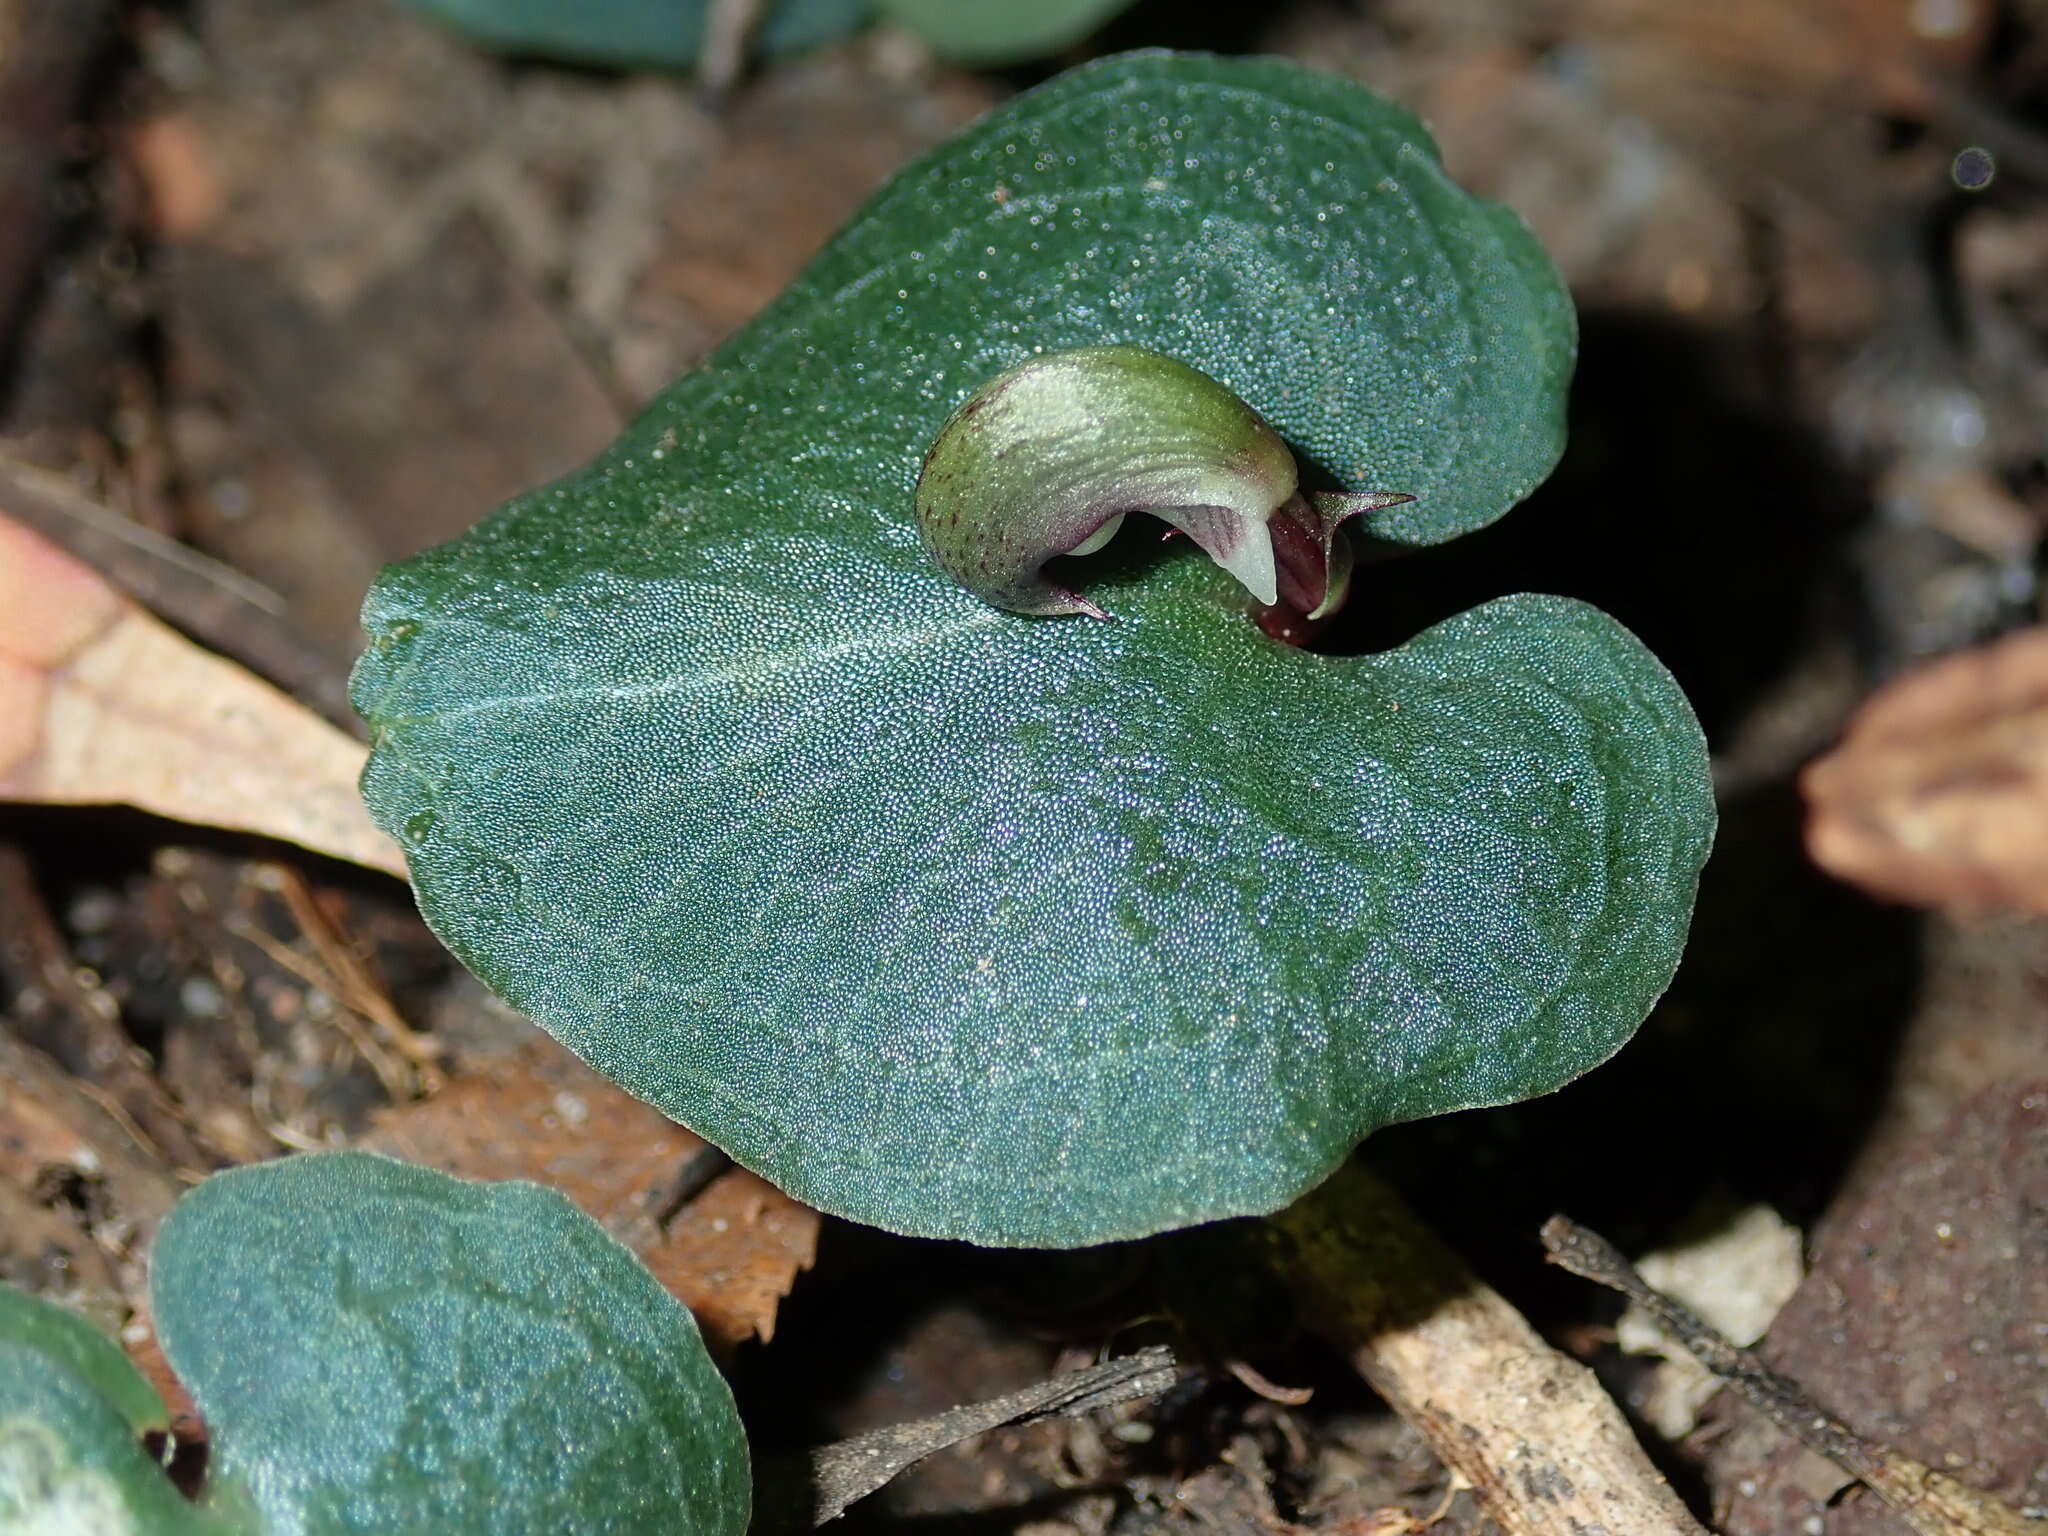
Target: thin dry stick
(391, 1072)
(1933, 1503)
(729, 27)
(852, 1469)
(355, 986)
(213, 602)
(1546, 1451)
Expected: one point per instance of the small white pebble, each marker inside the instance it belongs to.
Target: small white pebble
(201, 997)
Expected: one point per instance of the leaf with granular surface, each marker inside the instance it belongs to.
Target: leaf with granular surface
(664, 34)
(379, 1347)
(1054, 931)
(72, 1410)
(988, 32)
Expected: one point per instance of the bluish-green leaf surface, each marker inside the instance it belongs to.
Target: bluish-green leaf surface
(77, 1349)
(378, 1347)
(72, 1410)
(1051, 931)
(992, 32)
(664, 34)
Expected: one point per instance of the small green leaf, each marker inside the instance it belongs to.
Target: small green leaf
(378, 1347)
(991, 32)
(74, 1346)
(1049, 931)
(72, 1409)
(662, 34)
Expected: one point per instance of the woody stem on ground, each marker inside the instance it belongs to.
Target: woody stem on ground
(1547, 1452)
(1931, 1502)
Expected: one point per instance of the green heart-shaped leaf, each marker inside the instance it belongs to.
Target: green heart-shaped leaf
(1054, 931)
(380, 1347)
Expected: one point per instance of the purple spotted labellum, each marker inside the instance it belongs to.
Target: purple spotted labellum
(1048, 458)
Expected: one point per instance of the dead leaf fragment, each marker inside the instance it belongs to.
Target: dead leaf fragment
(733, 1253)
(1938, 793)
(730, 1255)
(101, 703)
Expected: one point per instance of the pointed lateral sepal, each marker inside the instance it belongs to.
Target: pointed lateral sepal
(1312, 561)
(1046, 459)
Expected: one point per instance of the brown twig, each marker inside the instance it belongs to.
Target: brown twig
(1931, 1502)
(1271, 1391)
(848, 1470)
(729, 28)
(1546, 1451)
(699, 1171)
(210, 601)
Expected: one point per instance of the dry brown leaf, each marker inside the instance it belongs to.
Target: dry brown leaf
(1938, 793)
(101, 703)
(730, 1255)
(733, 1253)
